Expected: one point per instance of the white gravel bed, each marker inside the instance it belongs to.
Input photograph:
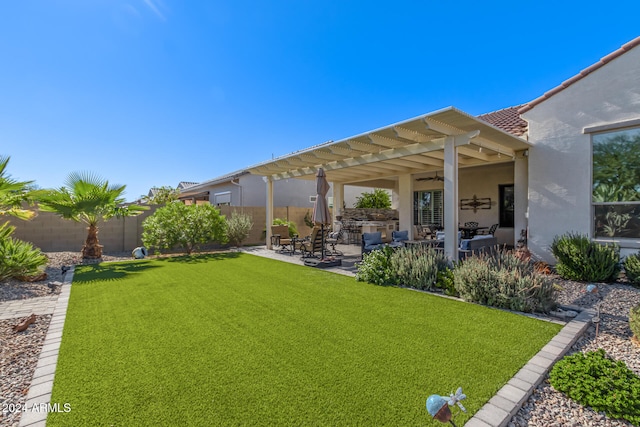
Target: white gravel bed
(545, 408)
(549, 408)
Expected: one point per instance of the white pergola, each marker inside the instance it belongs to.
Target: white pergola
(393, 156)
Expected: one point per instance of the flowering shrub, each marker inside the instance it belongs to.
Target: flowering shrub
(505, 281)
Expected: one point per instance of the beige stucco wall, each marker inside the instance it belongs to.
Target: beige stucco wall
(482, 181)
(50, 233)
(560, 159)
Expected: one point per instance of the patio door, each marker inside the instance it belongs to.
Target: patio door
(428, 207)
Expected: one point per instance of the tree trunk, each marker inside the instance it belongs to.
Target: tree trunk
(92, 249)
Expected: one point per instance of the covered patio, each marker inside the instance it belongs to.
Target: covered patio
(396, 156)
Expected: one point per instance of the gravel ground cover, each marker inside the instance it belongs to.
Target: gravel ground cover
(546, 407)
(19, 352)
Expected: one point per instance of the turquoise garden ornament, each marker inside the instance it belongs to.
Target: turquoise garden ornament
(438, 406)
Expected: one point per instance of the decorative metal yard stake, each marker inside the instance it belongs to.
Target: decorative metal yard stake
(593, 289)
(438, 406)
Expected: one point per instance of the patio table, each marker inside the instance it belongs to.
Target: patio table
(469, 232)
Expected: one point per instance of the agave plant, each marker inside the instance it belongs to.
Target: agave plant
(89, 199)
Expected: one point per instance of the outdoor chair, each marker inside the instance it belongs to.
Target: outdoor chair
(333, 239)
(398, 238)
(280, 237)
(371, 242)
(312, 247)
(471, 224)
(352, 230)
(421, 232)
(491, 230)
(486, 244)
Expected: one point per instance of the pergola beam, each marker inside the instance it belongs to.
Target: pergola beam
(411, 135)
(384, 141)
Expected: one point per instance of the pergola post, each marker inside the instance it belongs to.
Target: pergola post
(269, 210)
(405, 205)
(451, 198)
(521, 193)
(338, 198)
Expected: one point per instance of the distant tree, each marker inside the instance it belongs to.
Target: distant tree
(378, 199)
(186, 226)
(161, 196)
(90, 199)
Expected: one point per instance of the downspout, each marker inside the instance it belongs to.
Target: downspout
(240, 187)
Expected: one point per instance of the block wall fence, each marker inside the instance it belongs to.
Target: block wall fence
(51, 233)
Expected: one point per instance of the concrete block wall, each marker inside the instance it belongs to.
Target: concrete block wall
(51, 233)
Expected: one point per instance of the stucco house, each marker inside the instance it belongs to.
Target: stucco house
(575, 129)
(242, 189)
(543, 168)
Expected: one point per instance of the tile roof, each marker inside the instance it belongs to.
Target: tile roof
(625, 48)
(507, 119)
(186, 184)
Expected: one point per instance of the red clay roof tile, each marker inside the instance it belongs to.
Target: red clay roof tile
(507, 119)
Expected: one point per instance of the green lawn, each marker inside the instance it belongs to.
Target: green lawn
(235, 339)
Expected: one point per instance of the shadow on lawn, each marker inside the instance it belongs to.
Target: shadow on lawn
(111, 271)
(200, 258)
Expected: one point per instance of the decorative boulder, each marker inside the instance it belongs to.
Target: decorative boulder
(139, 252)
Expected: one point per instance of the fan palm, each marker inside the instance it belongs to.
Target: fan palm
(13, 193)
(89, 199)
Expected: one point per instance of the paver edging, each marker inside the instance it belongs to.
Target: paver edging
(494, 415)
(41, 386)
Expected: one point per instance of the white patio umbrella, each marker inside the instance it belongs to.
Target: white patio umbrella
(321, 214)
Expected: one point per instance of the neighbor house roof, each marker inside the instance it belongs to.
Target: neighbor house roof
(613, 55)
(199, 187)
(507, 119)
(185, 184)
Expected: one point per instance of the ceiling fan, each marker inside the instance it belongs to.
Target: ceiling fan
(431, 178)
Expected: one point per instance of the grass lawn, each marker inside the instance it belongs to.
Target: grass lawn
(235, 339)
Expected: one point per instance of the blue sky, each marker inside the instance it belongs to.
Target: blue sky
(153, 92)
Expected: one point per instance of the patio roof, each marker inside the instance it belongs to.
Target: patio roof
(414, 146)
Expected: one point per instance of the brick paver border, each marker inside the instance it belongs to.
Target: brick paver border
(38, 402)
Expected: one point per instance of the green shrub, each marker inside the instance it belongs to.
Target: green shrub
(293, 229)
(18, 258)
(418, 266)
(238, 227)
(378, 199)
(581, 259)
(634, 321)
(376, 268)
(632, 268)
(185, 226)
(502, 280)
(446, 282)
(594, 380)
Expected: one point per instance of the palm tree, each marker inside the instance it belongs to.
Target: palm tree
(14, 193)
(88, 198)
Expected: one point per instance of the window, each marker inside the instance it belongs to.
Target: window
(222, 199)
(616, 183)
(427, 207)
(506, 208)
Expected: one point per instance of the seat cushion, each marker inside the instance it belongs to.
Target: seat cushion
(371, 239)
(400, 236)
